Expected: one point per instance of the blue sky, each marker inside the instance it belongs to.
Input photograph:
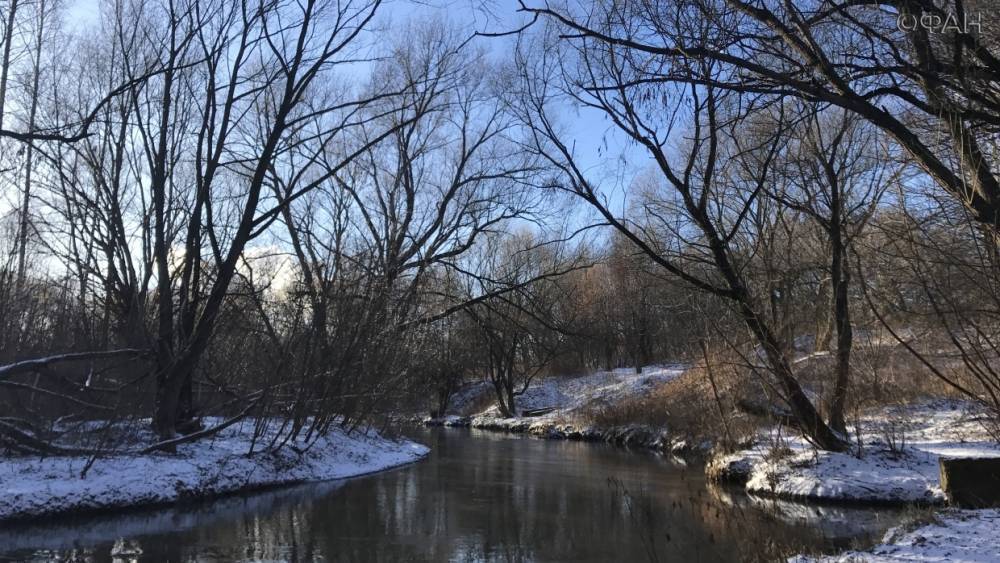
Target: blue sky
(600, 149)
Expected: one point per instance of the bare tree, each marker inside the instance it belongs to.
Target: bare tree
(929, 87)
(520, 330)
(9, 19)
(233, 90)
(691, 227)
(411, 202)
(44, 11)
(837, 174)
(931, 282)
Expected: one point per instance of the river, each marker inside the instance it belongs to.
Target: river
(479, 496)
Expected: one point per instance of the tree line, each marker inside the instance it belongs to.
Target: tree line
(284, 210)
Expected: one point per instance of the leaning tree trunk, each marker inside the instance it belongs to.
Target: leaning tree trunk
(809, 420)
(805, 413)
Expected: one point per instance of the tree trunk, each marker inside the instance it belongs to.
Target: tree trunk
(824, 330)
(840, 279)
(165, 409)
(810, 421)
(842, 322)
(505, 395)
(168, 382)
(29, 159)
(7, 42)
(173, 381)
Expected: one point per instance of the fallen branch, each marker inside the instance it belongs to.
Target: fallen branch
(23, 423)
(39, 364)
(173, 442)
(43, 391)
(28, 442)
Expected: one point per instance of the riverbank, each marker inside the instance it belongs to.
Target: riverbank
(475, 496)
(567, 406)
(894, 461)
(33, 487)
(955, 535)
(894, 458)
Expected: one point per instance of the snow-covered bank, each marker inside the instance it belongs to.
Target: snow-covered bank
(878, 477)
(33, 487)
(956, 535)
(898, 461)
(108, 526)
(571, 398)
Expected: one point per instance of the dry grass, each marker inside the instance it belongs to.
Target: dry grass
(882, 375)
(479, 403)
(687, 407)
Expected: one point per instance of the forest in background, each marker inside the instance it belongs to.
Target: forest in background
(285, 211)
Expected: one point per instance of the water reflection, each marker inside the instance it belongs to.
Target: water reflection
(479, 497)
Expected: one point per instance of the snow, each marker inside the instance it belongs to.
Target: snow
(571, 394)
(956, 536)
(879, 476)
(466, 397)
(70, 533)
(906, 473)
(32, 487)
(570, 399)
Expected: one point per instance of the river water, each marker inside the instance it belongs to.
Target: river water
(479, 496)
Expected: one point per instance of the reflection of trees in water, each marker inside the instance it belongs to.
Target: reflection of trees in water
(100, 532)
(690, 526)
(504, 499)
(813, 527)
(714, 521)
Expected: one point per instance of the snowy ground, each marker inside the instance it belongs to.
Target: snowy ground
(33, 487)
(899, 464)
(71, 532)
(899, 461)
(572, 394)
(955, 536)
(570, 397)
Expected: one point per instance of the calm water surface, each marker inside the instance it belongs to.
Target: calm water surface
(477, 497)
